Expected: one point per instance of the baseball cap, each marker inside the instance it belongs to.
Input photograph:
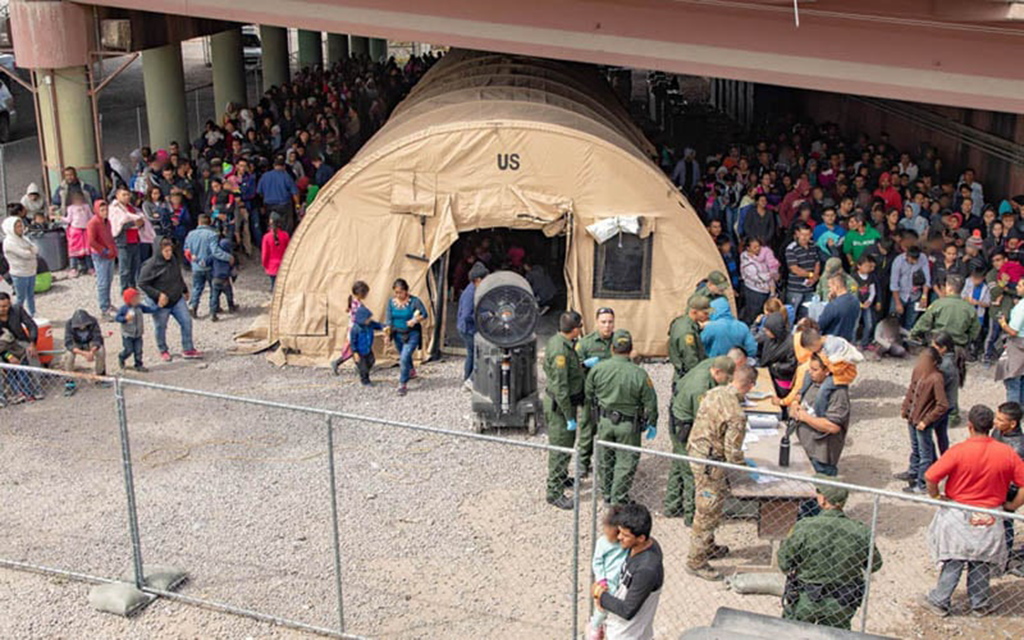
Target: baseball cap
(622, 340)
(700, 303)
(130, 293)
(835, 495)
(718, 279)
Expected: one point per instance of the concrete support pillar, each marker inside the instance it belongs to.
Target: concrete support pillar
(337, 48)
(359, 45)
(228, 70)
(378, 49)
(67, 123)
(311, 49)
(164, 80)
(275, 56)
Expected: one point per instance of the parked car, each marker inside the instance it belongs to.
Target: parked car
(252, 48)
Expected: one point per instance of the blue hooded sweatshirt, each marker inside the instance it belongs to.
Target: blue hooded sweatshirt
(361, 336)
(724, 332)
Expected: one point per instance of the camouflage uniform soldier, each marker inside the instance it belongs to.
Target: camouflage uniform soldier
(717, 434)
(564, 393)
(626, 402)
(685, 401)
(825, 557)
(593, 348)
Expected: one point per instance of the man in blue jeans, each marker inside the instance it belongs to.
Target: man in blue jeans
(162, 282)
(466, 321)
(804, 269)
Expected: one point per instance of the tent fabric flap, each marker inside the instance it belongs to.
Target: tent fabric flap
(305, 314)
(413, 192)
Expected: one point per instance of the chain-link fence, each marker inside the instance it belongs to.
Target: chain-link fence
(753, 528)
(318, 520)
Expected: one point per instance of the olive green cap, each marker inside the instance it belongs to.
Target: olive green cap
(724, 363)
(835, 495)
(699, 303)
(621, 340)
(718, 279)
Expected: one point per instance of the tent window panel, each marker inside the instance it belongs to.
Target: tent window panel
(622, 267)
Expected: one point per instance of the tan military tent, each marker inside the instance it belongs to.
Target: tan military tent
(495, 141)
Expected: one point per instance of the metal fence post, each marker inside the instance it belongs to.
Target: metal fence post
(578, 471)
(129, 484)
(334, 523)
(596, 461)
(138, 124)
(3, 174)
(871, 560)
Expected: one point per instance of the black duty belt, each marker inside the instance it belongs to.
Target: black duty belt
(615, 416)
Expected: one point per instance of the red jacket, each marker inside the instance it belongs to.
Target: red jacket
(99, 237)
(273, 253)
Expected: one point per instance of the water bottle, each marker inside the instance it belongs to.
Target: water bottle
(784, 451)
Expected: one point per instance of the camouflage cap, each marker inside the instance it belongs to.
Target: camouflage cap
(700, 303)
(724, 363)
(718, 279)
(621, 340)
(835, 495)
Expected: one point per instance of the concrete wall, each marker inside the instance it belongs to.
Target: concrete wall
(999, 178)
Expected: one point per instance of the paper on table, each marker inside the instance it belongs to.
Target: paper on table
(762, 421)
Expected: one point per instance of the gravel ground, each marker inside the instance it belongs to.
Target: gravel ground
(440, 536)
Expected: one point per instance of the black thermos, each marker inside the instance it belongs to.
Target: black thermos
(784, 451)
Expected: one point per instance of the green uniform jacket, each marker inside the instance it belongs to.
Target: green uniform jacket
(828, 549)
(719, 426)
(593, 344)
(619, 385)
(685, 348)
(564, 374)
(690, 391)
(953, 315)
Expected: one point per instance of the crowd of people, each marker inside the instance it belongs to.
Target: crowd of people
(834, 251)
(236, 193)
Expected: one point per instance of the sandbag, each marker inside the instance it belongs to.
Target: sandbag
(771, 584)
(118, 598)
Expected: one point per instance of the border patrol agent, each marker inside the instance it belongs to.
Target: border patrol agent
(824, 557)
(689, 393)
(718, 430)
(714, 287)
(685, 350)
(594, 347)
(623, 396)
(563, 394)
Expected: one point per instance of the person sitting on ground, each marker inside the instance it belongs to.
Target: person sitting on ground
(83, 338)
(825, 557)
(21, 383)
(723, 332)
(634, 603)
(978, 472)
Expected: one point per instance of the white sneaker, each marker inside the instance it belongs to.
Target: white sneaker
(468, 385)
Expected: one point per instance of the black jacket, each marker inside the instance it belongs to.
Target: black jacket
(82, 331)
(777, 353)
(162, 276)
(20, 324)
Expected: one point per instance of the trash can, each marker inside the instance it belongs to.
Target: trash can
(52, 245)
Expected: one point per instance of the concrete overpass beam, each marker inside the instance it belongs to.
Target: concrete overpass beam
(311, 49)
(337, 48)
(67, 124)
(228, 69)
(275, 56)
(164, 80)
(360, 46)
(378, 49)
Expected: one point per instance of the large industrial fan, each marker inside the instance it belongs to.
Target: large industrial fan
(505, 373)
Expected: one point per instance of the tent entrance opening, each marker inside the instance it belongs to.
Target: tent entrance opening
(538, 258)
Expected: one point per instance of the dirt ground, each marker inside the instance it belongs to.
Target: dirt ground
(440, 536)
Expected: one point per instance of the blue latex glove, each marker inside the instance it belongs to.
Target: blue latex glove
(591, 361)
(652, 431)
(570, 425)
(750, 463)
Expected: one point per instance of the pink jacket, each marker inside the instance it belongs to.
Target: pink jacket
(121, 215)
(273, 253)
(78, 215)
(759, 271)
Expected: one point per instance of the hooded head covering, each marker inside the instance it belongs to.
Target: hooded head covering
(884, 177)
(775, 323)
(1005, 207)
(720, 309)
(33, 189)
(96, 206)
